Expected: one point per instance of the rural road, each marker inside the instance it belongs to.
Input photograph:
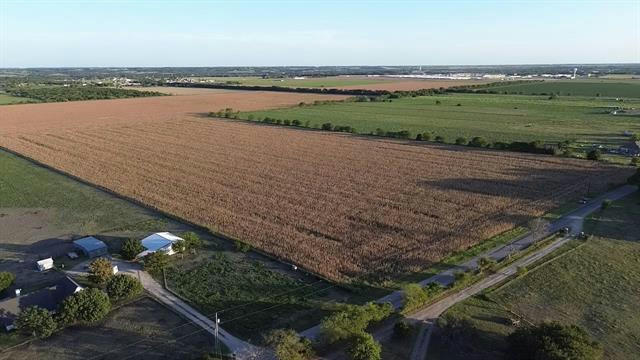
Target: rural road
(427, 316)
(242, 349)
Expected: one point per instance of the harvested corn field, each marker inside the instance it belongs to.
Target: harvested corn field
(339, 205)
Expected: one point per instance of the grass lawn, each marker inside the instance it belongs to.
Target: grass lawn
(494, 117)
(143, 329)
(330, 81)
(6, 99)
(624, 88)
(595, 286)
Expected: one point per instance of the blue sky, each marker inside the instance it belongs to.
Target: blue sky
(253, 33)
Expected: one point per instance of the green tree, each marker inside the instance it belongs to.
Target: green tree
(461, 141)
(36, 321)
(100, 270)
(131, 248)
(353, 320)
(594, 154)
(552, 341)
(440, 139)
(6, 279)
(191, 241)
(478, 142)
(86, 306)
(287, 345)
(365, 347)
(426, 136)
(402, 330)
(155, 262)
(123, 287)
(455, 330)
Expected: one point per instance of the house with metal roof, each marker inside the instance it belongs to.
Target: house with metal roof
(162, 241)
(47, 298)
(91, 246)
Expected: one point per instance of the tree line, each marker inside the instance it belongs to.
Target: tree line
(76, 93)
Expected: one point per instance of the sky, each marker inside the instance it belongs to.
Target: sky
(327, 32)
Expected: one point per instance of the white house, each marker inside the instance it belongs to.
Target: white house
(162, 241)
(45, 264)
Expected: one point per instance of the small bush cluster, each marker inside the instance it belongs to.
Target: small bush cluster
(416, 296)
(6, 279)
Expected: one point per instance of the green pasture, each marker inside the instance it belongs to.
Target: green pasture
(623, 88)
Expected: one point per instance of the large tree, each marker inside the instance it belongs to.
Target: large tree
(36, 321)
(365, 347)
(6, 279)
(86, 306)
(287, 345)
(123, 287)
(552, 341)
(100, 270)
(131, 248)
(155, 262)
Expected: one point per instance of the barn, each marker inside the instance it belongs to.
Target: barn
(91, 246)
(162, 241)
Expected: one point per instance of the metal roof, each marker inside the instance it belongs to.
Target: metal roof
(90, 243)
(159, 240)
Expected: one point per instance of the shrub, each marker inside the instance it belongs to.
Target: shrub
(155, 262)
(36, 321)
(606, 204)
(131, 248)
(522, 270)
(594, 154)
(478, 142)
(100, 270)
(426, 136)
(416, 296)
(241, 246)
(461, 141)
(440, 139)
(353, 320)
(123, 287)
(419, 137)
(287, 122)
(327, 126)
(438, 102)
(402, 330)
(486, 264)
(6, 279)
(191, 240)
(296, 122)
(380, 132)
(86, 306)
(364, 347)
(251, 117)
(455, 330)
(288, 346)
(552, 341)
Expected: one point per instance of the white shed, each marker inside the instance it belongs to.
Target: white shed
(45, 264)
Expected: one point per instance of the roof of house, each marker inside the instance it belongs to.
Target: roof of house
(90, 243)
(48, 298)
(159, 240)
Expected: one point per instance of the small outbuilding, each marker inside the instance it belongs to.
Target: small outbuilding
(45, 264)
(162, 241)
(91, 246)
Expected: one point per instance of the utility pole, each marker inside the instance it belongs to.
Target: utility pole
(216, 333)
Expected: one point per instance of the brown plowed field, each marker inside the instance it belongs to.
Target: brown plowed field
(339, 205)
(38, 117)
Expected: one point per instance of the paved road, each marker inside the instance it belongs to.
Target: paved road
(573, 220)
(242, 349)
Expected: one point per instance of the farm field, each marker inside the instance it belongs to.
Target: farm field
(347, 82)
(6, 99)
(320, 200)
(624, 88)
(494, 117)
(595, 286)
(143, 329)
(58, 116)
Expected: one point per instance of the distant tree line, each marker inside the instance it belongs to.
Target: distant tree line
(76, 92)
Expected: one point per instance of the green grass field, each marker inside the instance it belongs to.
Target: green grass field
(73, 206)
(594, 286)
(330, 81)
(494, 117)
(6, 99)
(624, 88)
